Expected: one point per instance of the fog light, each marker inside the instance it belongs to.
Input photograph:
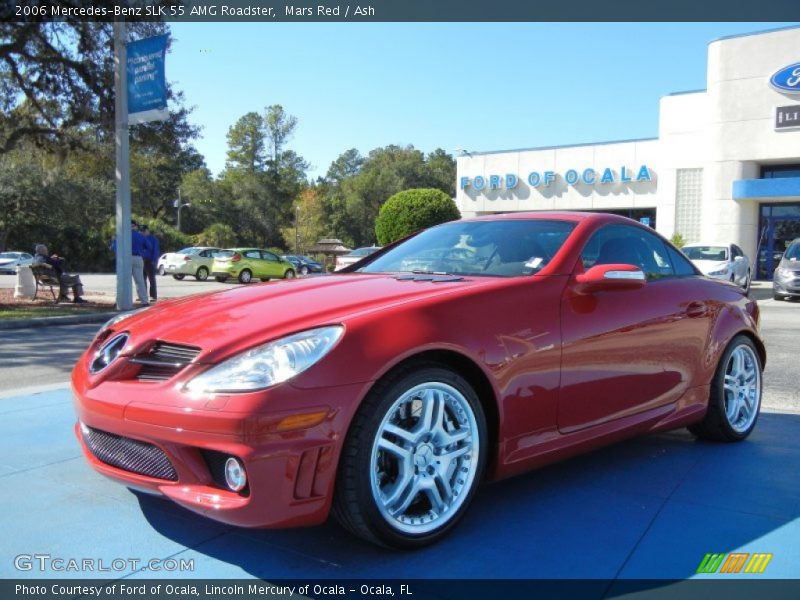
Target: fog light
(235, 477)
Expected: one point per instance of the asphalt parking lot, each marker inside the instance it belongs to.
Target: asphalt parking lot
(651, 507)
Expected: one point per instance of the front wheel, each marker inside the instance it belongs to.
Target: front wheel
(746, 285)
(221, 279)
(413, 458)
(202, 274)
(179, 277)
(304, 270)
(161, 271)
(289, 274)
(735, 399)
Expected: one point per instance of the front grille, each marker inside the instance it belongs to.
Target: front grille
(128, 454)
(163, 361)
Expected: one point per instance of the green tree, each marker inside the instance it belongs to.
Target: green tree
(412, 210)
(216, 234)
(246, 143)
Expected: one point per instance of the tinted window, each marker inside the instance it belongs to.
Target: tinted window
(623, 244)
(503, 248)
(269, 255)
(682, 267)
(793, 252)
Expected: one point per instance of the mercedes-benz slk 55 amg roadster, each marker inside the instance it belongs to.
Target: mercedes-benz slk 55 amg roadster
(473, 350)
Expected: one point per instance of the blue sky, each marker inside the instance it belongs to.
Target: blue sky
(478, 86)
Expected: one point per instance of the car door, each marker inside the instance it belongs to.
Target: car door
(629, 351)
(273, 267)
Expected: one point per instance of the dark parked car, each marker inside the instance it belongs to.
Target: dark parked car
(386, 394)
(304, 264)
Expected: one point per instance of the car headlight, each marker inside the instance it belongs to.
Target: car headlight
(723, 271)
(269, 364)
(783, 272)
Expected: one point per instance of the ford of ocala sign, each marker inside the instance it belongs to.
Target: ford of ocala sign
(588, 176)
(787, 79)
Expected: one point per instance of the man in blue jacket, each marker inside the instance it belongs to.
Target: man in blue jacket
(151, 255)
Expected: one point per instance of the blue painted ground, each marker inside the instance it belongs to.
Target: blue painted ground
(648, 508)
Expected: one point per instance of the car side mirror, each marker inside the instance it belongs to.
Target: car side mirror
(610, 277)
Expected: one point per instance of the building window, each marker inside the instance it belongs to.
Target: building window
(688, 203)
(776, 171)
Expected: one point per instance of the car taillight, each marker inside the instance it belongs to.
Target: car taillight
(236, 257)
(187, 258)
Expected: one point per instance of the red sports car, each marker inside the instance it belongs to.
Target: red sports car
(473, 350)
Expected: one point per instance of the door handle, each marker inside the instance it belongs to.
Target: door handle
(696, 309)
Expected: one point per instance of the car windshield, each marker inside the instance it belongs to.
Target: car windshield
(706, 252)
(503, 248)
(793, 252)
(10, 255)
(362, 251)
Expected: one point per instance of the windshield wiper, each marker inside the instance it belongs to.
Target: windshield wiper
(423, 272)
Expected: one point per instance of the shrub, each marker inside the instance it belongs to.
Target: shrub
(677, 240)
(412, 210)
(219, 235)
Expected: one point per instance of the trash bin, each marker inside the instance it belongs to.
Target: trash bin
(26, 284)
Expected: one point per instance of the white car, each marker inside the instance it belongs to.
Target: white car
(194, 261)
(9, 261)
(720, 261)
(355, 256)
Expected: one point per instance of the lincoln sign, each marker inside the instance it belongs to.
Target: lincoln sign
(574, 177)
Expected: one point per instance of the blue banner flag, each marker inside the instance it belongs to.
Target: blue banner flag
(147, 82)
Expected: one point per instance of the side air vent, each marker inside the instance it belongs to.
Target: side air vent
(163, 361)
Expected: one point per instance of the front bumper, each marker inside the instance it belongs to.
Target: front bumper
(290, 471)
(786, 286)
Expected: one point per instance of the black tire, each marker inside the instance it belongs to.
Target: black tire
(221, 279)
(290, 274)
(355, 505)
(245, 276)
(716, 425)
(778, 297)
(179, 277)
(202, 274)
(161, 271)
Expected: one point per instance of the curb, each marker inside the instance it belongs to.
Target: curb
(100, 317)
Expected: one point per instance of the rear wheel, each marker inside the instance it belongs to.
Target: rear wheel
(202, 274)
(778, 297)
(747, 281)
(245, 276)
(161, 271)
(289, 274)
(735, 399)
(179, 277)
(413, 458)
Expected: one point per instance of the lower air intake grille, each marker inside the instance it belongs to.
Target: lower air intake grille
(129, 455)
(163, 361)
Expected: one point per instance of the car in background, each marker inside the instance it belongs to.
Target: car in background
(386, 396)
(195, 261)
(246, 264)
(721, 261)
(303, 265)
(786, 279)
(10, 261)
(355, 256)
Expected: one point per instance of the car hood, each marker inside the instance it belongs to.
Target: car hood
(708, 266)
(226, 321)
(8, 261)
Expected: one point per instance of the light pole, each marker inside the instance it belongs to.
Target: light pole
(177, 204)
(296, 233)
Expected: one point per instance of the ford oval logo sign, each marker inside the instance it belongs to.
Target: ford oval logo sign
(787, 79)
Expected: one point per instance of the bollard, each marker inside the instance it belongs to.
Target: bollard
(26, 284)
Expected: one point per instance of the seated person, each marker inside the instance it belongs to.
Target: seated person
(65, 279)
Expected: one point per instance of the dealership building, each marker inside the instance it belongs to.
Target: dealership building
(725, 167)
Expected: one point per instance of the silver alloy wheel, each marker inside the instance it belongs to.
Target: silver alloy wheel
(289, 274)
(742, 388)
(424, 458)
